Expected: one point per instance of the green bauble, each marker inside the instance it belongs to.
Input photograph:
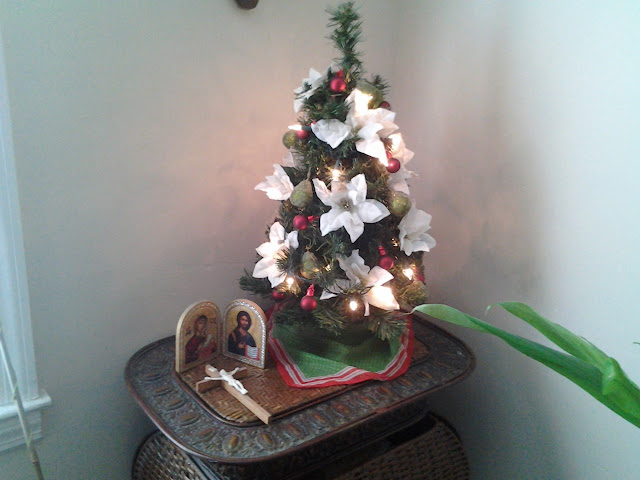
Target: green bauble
(302, 194)
(289, 138)
(399, 204)
(376, 95)
(310, 265)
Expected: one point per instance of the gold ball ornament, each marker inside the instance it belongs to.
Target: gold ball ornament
(289, 138)
(399, 204)
(302, 194)
(309, 266)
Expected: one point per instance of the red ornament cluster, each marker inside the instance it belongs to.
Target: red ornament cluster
(300, 222)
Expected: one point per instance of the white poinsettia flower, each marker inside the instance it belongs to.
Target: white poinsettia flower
(278, 186)
(373, 278)
(413, 232)
(398, 180)
(279, 240)
(331, 131)
(350, 207)
(370, 125)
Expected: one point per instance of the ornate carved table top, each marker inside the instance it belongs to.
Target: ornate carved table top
(351, 419)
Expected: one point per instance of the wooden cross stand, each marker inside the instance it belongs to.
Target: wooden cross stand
(230, 382)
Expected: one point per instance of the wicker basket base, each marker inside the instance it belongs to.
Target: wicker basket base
(414, 454)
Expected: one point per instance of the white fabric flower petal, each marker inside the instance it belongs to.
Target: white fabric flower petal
(398, 180)
(372, 211)
(277, 186)
(331, 131)
(288, 160)
(349, 206)
(382, 297)
(413, 232)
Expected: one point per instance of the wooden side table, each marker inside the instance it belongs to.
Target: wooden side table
(359, 431)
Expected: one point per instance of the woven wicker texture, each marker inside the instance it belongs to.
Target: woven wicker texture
(159, 459)
(266, 387)
(433, 455)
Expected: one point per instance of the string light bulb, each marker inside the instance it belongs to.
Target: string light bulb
(408, 272)
(353, 305)
(290, 281)
(336, 174)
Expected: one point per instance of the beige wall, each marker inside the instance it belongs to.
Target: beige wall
(142, 127)
(524, 116)
(140, 131)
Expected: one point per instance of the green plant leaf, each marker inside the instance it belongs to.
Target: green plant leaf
(585, 365)
(563, 338)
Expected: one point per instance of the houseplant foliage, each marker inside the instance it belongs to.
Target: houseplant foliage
(583, 363)
(346, 246)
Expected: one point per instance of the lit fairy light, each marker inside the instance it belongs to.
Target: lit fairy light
(353, 305)
(296, 127)
(290, 281)
(336, 174)
(408, 272)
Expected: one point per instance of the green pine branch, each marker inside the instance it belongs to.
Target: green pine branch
(347, 31)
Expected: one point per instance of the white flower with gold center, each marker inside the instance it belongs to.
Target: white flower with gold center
(373, 278)
(350, 207)
(270, 251)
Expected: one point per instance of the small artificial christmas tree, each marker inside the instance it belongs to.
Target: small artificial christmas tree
(347, 244)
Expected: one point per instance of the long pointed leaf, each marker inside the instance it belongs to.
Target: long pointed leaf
(565, 339)
(625, 400)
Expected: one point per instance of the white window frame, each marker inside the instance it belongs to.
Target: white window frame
(14, 294)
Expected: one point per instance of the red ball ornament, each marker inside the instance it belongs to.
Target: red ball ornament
(386, 262)
(300, 222)
(385, 104)
(278, 296)
(302, 134)
(308, 303)
(420, 277)
(337, 85)
(394, 165)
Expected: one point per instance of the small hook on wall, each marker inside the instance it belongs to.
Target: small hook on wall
(247, 4)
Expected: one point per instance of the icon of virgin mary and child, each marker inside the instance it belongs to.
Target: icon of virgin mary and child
(202, 344)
